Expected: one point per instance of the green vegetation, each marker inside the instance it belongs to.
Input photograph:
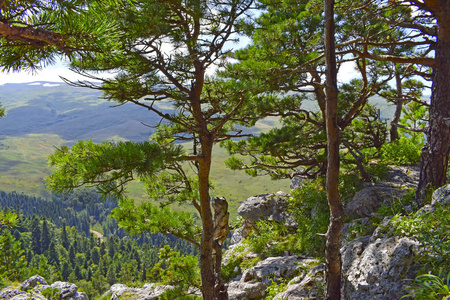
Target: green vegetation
(430, 287)
(293, 57)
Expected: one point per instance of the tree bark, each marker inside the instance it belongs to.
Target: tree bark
(393, 131)
(433, 169)
(206, 245)
(332, 251)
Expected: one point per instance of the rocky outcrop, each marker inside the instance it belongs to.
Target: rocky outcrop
(307, 286)
(33, 281)
(376, 266)
(401, 176)
(441, 195)
(368, 200)
(35, 286)
(252, 284)
(66, 289)
(150, 291)
(270, 207)
(266, 207)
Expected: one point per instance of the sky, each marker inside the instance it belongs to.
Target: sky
(55, 72)
(51, 74)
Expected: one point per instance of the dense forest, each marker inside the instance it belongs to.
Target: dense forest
(52, 238)
(179, 54)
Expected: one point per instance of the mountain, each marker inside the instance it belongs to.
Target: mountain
(70, 112)
(42, 116)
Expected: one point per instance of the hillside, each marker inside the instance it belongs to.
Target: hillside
(42, 116)
(71, 113)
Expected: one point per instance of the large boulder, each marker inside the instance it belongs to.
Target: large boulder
(238, 290)
(441, 195)
(66, 289)
(254, 281)
(266, 207)
(375, 267)
(33, 281)
(306, 286)
(8, 293)
(150, 291)
(368, 200)
(401, 176)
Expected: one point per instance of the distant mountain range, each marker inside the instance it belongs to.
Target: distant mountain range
(70, 112)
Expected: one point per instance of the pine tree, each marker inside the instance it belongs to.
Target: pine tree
(64, 238)
(72, 255)
(53, 256)
(45, 236)
(66, 270)
(36, 236)
(110, 275)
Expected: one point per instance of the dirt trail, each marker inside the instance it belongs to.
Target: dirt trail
(98, 234)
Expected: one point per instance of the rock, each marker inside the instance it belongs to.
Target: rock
(66, 289)
(402, 176)
(254, 281)
(241, 233)
(8, 293)
(374, 267)
(33, 281)
(305, 286)
(274, 269)
(266, 207)
(246, 290)
(79, 296)
(31, 296)
(295, 182)
(150, 291)
(441, 195)
(368, 200)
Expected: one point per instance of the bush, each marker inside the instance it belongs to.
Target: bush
(429, 287)
(431, 229)
(402, 152)
(309, 207)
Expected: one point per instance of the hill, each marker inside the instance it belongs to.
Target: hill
(42, 116)
(71, 113)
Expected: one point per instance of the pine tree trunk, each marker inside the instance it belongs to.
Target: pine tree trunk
(393, 131)
(332, 251)
(206, 244)
(433, 169)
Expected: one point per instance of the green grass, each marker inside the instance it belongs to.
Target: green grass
(23, 165)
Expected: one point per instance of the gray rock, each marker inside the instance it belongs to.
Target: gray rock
(441, 195)
(246, 290)
(375, 267)
(66, 289)
(79, 296)
(295, 182)
(31, 296)
(368, 200)
(306, 286)
(274, 269)
(150, 291)
(402, 176)
(241, 233)
(33, 281)
(8, 293)
(254, 281)
(266, 207)
(118, 290)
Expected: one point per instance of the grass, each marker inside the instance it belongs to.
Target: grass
(23, 165)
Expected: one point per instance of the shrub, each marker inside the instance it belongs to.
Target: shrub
(404, 151)
(309, 207)
(431, 229)
(429, 287)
